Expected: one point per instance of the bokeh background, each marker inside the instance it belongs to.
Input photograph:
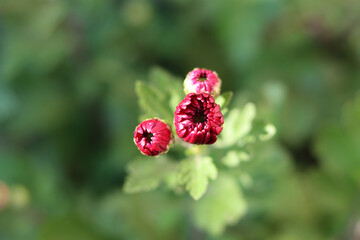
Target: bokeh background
(68, 111)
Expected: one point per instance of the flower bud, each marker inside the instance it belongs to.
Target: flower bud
(201, 80)
(153, 137)
(198, 119)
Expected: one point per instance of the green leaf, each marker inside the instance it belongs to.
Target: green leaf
(146, 174)
(160, 96)
(262, 131)
(270, 131)
(164, 79)
(158, 212)
(151, 102)
(233, 158)
(237, 125)
(195, 174)
(223, 205)
(224, 99)
(168, 84)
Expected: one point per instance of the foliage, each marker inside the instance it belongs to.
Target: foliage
(160, 96)
(146, 174)
(224, 204)
(68, 110)
(195, 174)
(339, 143)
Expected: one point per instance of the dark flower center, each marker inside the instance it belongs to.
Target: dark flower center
(199, 118)
(148, 136)
(202, 77)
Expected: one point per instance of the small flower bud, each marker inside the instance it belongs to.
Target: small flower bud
(198, 119)
(153, 137)
(201, 80)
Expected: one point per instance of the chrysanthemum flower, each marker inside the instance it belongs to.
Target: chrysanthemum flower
(201, 80)
(198, 119)
(153, 137)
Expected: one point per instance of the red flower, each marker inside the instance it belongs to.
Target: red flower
(202, 81)
(153, 137)
(198, 119)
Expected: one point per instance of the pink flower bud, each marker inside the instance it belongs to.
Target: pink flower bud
(198, 119)
(153, 137)
(201, 80)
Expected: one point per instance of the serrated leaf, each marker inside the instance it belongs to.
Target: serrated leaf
(170, 85)
(160, 96)
(237, 125)
(195, 174)
(151, 101)
(224, 99)
(244, 123)
(146, 174)
(233, 158)
(261, 131)
(270, 131)
(164, 80)
(223, 205)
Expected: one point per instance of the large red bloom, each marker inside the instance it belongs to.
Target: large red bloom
(198, 119)
(153, 137)
(201, 80)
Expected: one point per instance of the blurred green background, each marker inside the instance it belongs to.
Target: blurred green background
(68, 111)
